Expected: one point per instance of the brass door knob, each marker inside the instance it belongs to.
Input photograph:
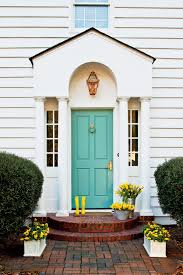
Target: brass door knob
(109, 166)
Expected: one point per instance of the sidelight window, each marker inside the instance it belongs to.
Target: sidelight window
(52, 138)
(133, 137)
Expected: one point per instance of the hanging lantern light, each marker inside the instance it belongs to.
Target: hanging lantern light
(92, 83)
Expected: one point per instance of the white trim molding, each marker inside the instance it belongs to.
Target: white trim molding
(63, 209)
(145, 157)
(123, 138)
(40, 151)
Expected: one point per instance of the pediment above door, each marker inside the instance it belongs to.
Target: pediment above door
(53, 68)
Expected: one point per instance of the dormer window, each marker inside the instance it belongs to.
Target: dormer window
(91, 13)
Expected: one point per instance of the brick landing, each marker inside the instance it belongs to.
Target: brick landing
(117, 258)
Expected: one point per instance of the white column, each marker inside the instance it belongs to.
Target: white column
(40, 150)
(63, 156)
(123, 139)
(145, 157)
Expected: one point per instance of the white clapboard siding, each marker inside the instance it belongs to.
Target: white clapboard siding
(154, 201)
(36, 42)
(166, 152)
(17, 123)
(166, 142)
(167, 113)
(17, 113)
(60, 22)
(16, 92)
(167, 82)
(22, 24)
(170, 73)
(17, 102)
(154, 191)
(155, 43)
(148, 23)
(167, 123)
(168, 63)
(165, 53)
(34, 11)
(35, 3)
(23, 152)
(8, 143)
(17, 133)
(155, 162)
(20, 52)
(168, 92)
(147, 13)
(149, 33)
(161, 132)
(26, 82)
(33, 32)
(166, 102)
(15, 63)
(16, 72)
(149, 4)
(152, 181)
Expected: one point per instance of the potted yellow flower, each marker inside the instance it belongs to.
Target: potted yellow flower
(129, 192)
(121, 210)
(34, 238)
(155, 238)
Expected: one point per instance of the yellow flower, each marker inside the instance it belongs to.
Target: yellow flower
(26, 233)
(26, 238)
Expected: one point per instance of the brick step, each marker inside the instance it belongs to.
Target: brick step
(129, 234)
(92, 223)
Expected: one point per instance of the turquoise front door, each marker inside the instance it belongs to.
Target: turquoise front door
(92, 152)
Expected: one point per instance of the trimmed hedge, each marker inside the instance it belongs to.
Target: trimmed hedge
(20, 189)
(169, 180)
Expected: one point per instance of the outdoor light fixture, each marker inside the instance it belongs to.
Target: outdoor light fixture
(92, 83)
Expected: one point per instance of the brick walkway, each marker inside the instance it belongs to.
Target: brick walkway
(124, 257)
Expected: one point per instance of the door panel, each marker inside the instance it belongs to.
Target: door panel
(83, 182)
(101, 137)
(83, 141)
(101, 176)
(92, 149)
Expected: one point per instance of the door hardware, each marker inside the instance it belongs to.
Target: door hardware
(109, 166)
(92, 127)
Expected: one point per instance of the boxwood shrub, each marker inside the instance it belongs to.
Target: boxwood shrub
(20, 189)
(169, 180)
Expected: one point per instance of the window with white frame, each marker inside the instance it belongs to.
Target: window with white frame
(91, 13)
(133, 137)
(52, 138)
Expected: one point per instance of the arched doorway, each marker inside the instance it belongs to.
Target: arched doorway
(92, 152)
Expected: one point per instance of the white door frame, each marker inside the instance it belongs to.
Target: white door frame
(115, 149)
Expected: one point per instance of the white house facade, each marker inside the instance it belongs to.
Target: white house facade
(85, 144)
